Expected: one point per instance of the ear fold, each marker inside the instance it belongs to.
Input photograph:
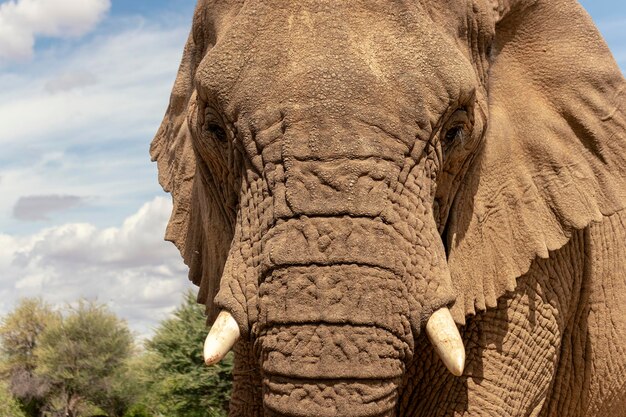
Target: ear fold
(554, 156)
(197, 227)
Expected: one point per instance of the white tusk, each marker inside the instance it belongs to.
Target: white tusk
(445, 337)
(222, 337)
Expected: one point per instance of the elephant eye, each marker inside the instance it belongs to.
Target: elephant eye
(217, 132)
(456, 127)
(455, 134)
(213, 125)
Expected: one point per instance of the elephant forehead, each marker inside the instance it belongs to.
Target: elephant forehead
(329, 54)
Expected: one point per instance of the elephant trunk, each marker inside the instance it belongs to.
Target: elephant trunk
(334, 329)
(340, 301)
(305, 386)
(333, 340)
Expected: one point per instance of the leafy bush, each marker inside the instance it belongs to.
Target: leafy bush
(138, 410)
(81, 356)
(20, 333)
(9, 407)
(83, 363)
(180, 383)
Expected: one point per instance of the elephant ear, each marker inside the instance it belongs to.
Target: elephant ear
(554, 155)
(197, 226)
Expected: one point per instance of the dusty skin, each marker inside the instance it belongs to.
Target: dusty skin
(341, 170)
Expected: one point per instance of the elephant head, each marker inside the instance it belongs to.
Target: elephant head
(348, 174)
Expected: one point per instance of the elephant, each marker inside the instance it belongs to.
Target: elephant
(403, 208)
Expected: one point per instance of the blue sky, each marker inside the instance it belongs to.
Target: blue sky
(82, 213)
(610, 17)
(83, 87)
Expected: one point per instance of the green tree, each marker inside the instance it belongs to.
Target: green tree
(9, 407)
(175, 375)
(20, 332)
(83, 356)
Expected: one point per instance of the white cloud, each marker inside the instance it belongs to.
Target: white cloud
(135, 69)
(77, 120)
(91, 137)
(70, 81)
(23, 20)
(129, 267)
(38, 207)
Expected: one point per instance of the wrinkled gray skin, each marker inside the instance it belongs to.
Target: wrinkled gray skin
(342, 169)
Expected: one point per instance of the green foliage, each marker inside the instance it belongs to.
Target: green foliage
(20, 332)
(179, 382)
(82, 364)
(9, 406)
(138, 410)
(83, 356)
